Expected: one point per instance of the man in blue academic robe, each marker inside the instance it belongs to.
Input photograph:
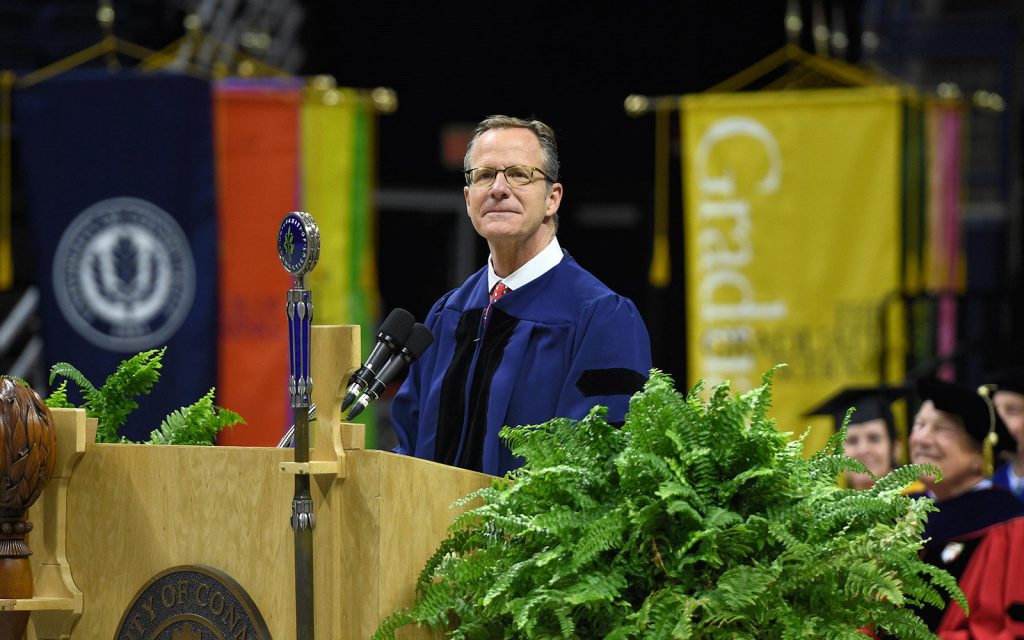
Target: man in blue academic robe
(1008, 397)
(531, 336)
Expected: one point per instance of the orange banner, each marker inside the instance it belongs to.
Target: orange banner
(257, 154)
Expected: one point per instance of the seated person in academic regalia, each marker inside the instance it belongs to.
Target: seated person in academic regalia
(977, 534)
(1008, 397)
(871, 434)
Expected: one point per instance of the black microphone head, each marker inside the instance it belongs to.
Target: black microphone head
(356, 410)
(419, 339)
(391, 335)
(349, 398)
(396, 327)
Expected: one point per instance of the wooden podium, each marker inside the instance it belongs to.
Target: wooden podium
(115, 516)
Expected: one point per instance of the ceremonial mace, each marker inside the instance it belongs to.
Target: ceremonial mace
(298, 245)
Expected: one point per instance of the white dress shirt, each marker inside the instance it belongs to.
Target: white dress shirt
(535, 268)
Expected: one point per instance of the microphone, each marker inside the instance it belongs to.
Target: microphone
(391, 336)
(418, 341)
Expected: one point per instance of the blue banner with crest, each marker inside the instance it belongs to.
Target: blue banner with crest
(119, 181)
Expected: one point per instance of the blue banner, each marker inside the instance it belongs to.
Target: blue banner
(119, 177)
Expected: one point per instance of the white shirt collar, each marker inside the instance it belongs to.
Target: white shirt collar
(538, 265)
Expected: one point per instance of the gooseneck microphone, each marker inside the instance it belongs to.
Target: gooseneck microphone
(391, 336)
(419, 339)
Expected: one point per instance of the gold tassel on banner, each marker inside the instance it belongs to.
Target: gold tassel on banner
(660, 274)
(6, 261)
(802, 69)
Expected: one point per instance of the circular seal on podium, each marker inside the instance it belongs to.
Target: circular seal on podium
(191, 602)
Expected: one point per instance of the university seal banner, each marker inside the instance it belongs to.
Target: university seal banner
(118, 173)
(793, 242)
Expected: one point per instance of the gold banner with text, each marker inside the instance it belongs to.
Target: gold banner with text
(793, 246)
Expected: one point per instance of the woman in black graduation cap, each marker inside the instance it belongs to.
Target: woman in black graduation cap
(871, 434)
(978, 532)
(1008, 397)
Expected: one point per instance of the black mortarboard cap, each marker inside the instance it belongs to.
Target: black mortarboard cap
(1011, 379)
(962, 401)
(974, 408)
(869, 403)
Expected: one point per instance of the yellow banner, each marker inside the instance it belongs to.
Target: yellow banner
(327, 183)
(792, 223)
(338, 169)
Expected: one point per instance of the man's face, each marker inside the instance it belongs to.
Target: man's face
(504, 214)
(1010, 406)
(939, 438)
(869, 442)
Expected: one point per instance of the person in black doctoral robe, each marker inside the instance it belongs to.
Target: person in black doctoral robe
(978, 533)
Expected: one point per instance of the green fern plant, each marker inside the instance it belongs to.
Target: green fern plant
(198, 423)
(115, 400)
(58, 398)
(693, 520)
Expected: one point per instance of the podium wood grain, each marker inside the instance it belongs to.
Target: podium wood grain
(133, 511)
(58, 602)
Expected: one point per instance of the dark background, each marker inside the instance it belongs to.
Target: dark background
(572, 64)
(569, 64)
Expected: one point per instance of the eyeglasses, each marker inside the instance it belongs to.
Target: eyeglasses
(518, 175)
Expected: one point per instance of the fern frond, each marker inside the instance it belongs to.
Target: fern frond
(196, 424)
(836, 444)
(742, 586)
(948, 584)
(600, 535)
(69, 371)
(391, 624)
(696, 519)
(115, 400)
(902, 477)
(58, 399)
(23, 382)
(902, 623)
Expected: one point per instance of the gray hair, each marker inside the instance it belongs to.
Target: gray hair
(545, 135)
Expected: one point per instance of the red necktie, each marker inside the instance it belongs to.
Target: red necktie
(499, 290)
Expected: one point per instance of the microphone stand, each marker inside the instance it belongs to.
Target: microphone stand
(288, 439)
(298, 246)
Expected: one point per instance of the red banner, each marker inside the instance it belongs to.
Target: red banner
(257, 155)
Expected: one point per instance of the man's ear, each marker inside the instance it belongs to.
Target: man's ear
(554, 199)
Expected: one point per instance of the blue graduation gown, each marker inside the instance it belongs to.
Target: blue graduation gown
(1001, 478)
(555, 347)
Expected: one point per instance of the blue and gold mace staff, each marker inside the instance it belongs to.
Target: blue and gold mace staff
(298, 245)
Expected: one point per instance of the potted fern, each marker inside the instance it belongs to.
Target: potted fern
(693, 520)
(111, 403)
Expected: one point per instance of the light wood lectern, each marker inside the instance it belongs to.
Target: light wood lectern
(114, 516)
